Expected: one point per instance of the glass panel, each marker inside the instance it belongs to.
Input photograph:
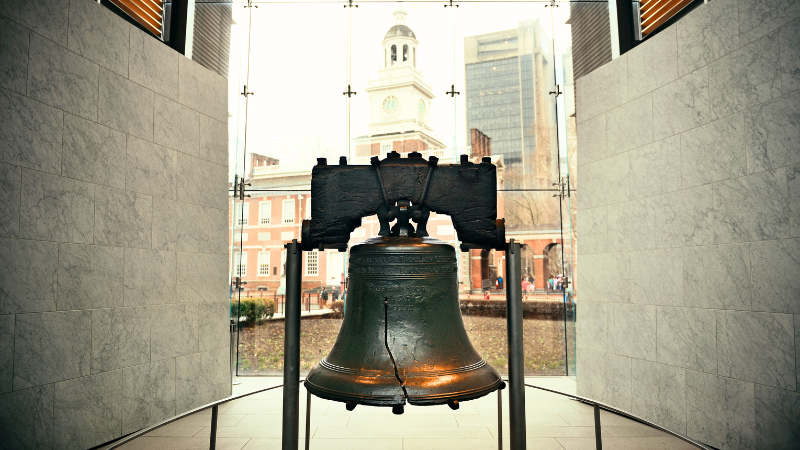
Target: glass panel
(297, 61)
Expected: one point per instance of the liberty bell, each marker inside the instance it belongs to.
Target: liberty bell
(402, 339)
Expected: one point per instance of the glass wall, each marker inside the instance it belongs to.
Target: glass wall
(315, 80)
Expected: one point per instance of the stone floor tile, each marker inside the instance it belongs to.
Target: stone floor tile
(448, 421)
(475, 444)
(175, 443)
(632, 443)
(398, 432)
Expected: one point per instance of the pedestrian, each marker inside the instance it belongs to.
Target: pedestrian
(500, 282)
(324, 295)
(336, 293)
(486, 295)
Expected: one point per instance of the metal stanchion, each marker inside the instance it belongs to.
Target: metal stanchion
(214, 412)
(516, 369)
(291, 348)
(597, 430)
(500, 416)
(308, 419)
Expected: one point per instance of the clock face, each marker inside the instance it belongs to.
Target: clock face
(391, 104)
(421, 109)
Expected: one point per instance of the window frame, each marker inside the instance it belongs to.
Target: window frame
(308, 263)
(264, 255)
(265, 205)
(284, 220)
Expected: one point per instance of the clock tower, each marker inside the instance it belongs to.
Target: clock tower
(399, 98)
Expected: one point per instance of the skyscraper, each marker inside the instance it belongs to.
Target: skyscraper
(509, 75)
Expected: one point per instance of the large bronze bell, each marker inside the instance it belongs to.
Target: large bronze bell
(402, 339)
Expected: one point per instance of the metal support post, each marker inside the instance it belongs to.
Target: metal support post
(597, 430)
(500, 417)
(516, 356)
(291, 348)
(308, 419)
(214, 414)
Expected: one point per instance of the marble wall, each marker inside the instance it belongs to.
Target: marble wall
(113, 262)
(689, 228)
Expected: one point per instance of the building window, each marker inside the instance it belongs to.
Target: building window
(242, 213)
(312, 260)
(283, 262)
(264, 212)
(263, 264)
(308, 207)
(386, 148)
(288, 211)
(241, 264)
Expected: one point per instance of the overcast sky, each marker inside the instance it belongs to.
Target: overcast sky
(299, 67)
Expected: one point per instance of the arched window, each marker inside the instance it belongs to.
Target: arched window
(415, 56)
(394, 54)
(385, 57)
(405, 52)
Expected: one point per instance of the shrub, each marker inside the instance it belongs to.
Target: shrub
(253, 309)
(338, 309)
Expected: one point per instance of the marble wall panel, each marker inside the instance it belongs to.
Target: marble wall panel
(757, 18)
(713, 152)
(606, 277)
(148, 394)
(199, 181)
(202, 278)
(14, 56)
(794, 200)
(89, 277)
(125, 106)
(120, 338)
(752, 208)
(797, 347)
(97, 34)
(593, 224)
(51, 347)
(707, 34)
(687, 338)
(10, 192)
(684, 218)
(46, 17)
(630, 125)
(150, 277)
(772, 131)
(618, 381)
(202, 378)
(175, 330)
(746, 77)
(153, 64)
(653, 170)
(28, 279)
(659, 394)
(195, 78)
(151, 169)
(777, 414)
(592, 134)
(214, 326)
(657, 277)
(589, 384)
(719, 411)
(631, 225)
(27, 418)
(123, 218)
(757, 347)
(654, 65)
(92, 152)
(775, 269)
(592, 331)
(602, 90)
(56, 208)
(87, 411)
(790, 56)
(165, 224)
(681, 105)
(213, 140)
(717, 277)
(60, 78)
(632, 330)
(6, 352)
(209, 230)
(606, 181)
(30, 133)
(177, 126)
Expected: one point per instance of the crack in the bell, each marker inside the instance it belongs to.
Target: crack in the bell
(386, 344)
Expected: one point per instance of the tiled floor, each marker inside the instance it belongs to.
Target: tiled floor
(553, 422)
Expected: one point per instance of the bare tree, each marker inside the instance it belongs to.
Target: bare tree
(528, 208)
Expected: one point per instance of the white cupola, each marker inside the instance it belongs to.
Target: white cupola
(400, 43)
